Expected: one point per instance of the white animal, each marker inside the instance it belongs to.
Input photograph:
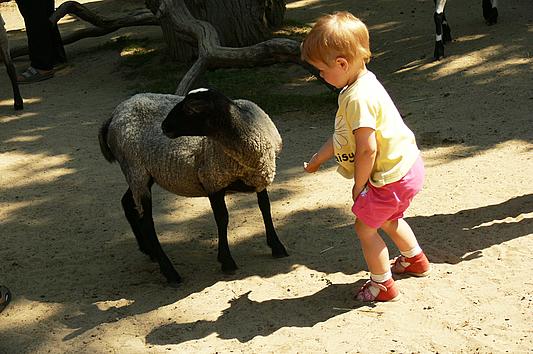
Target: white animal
(443, 33)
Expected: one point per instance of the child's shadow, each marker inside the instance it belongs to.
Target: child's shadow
(246, 319)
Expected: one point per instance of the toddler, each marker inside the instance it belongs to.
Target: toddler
(372, 145)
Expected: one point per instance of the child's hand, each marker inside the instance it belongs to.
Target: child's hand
(356, 192)
(311, 166)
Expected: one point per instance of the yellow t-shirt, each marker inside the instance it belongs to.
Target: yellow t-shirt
(366, 103)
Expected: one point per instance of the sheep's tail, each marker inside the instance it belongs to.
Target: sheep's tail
(102, 138)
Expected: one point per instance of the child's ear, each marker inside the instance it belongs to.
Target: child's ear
(342, 62)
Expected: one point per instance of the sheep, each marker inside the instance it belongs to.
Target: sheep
(200, 145)
(442, 28)
(10, 67)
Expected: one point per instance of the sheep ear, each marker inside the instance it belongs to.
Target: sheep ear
(205, 101)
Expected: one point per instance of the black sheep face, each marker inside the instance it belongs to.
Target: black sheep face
(200, 113)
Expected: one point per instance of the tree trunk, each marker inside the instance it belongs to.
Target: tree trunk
(238, 23)
(183, 26)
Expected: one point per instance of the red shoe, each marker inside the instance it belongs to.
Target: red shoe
(372, 291)
(418, 265)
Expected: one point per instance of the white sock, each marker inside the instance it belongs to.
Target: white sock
(381, 278)
(412, 252)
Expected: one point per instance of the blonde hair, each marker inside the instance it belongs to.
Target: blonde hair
(340, 34)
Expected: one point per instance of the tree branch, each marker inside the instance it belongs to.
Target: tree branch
(102, 25)
(190, 78)
(211, 54)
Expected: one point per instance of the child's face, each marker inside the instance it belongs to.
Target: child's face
(336, 74)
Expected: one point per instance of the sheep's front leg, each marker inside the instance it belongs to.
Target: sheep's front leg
(218, 204)
(278, 250)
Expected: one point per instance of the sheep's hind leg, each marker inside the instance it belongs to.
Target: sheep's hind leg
(218, 204)
(147, 232)
(134, 219)
(278, 250)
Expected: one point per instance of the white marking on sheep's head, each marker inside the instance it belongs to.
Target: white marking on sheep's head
(202, 112)
(201, 89)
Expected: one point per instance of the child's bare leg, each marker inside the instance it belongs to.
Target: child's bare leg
(401, 234)
(374, 249)
(381, 286)
(412, 260)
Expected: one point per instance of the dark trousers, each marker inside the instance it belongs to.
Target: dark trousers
(44, 41)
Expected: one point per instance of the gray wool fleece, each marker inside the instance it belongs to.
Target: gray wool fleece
(191, 166)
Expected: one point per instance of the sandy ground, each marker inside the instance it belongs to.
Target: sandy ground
(81, 286)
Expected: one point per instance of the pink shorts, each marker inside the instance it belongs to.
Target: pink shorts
(374, 206)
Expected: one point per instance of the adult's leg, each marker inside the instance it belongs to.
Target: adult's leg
(57, 43)
(42, 36)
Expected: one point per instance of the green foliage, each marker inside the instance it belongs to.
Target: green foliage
(264, 85)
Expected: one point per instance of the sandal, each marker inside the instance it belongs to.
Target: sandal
(372, 291)
(32, 75)
(5, 297)
(418, 265)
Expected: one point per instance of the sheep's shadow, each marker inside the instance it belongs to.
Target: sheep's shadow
(197, 263)
(447, 238)
(263, 318)
(450, 238)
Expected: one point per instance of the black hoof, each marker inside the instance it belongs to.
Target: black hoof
(493, 17)
(229, 268)
(171, 276)
(439, 51)
(280, 252)
(174, 284)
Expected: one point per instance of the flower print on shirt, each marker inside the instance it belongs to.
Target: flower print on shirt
(343, 144)
(340, 138)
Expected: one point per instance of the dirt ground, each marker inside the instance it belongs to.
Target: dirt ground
(80, 285)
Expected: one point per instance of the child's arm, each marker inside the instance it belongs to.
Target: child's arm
(324, 154)
(365, 156)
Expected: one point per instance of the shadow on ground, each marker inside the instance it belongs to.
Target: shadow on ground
(69, 229)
